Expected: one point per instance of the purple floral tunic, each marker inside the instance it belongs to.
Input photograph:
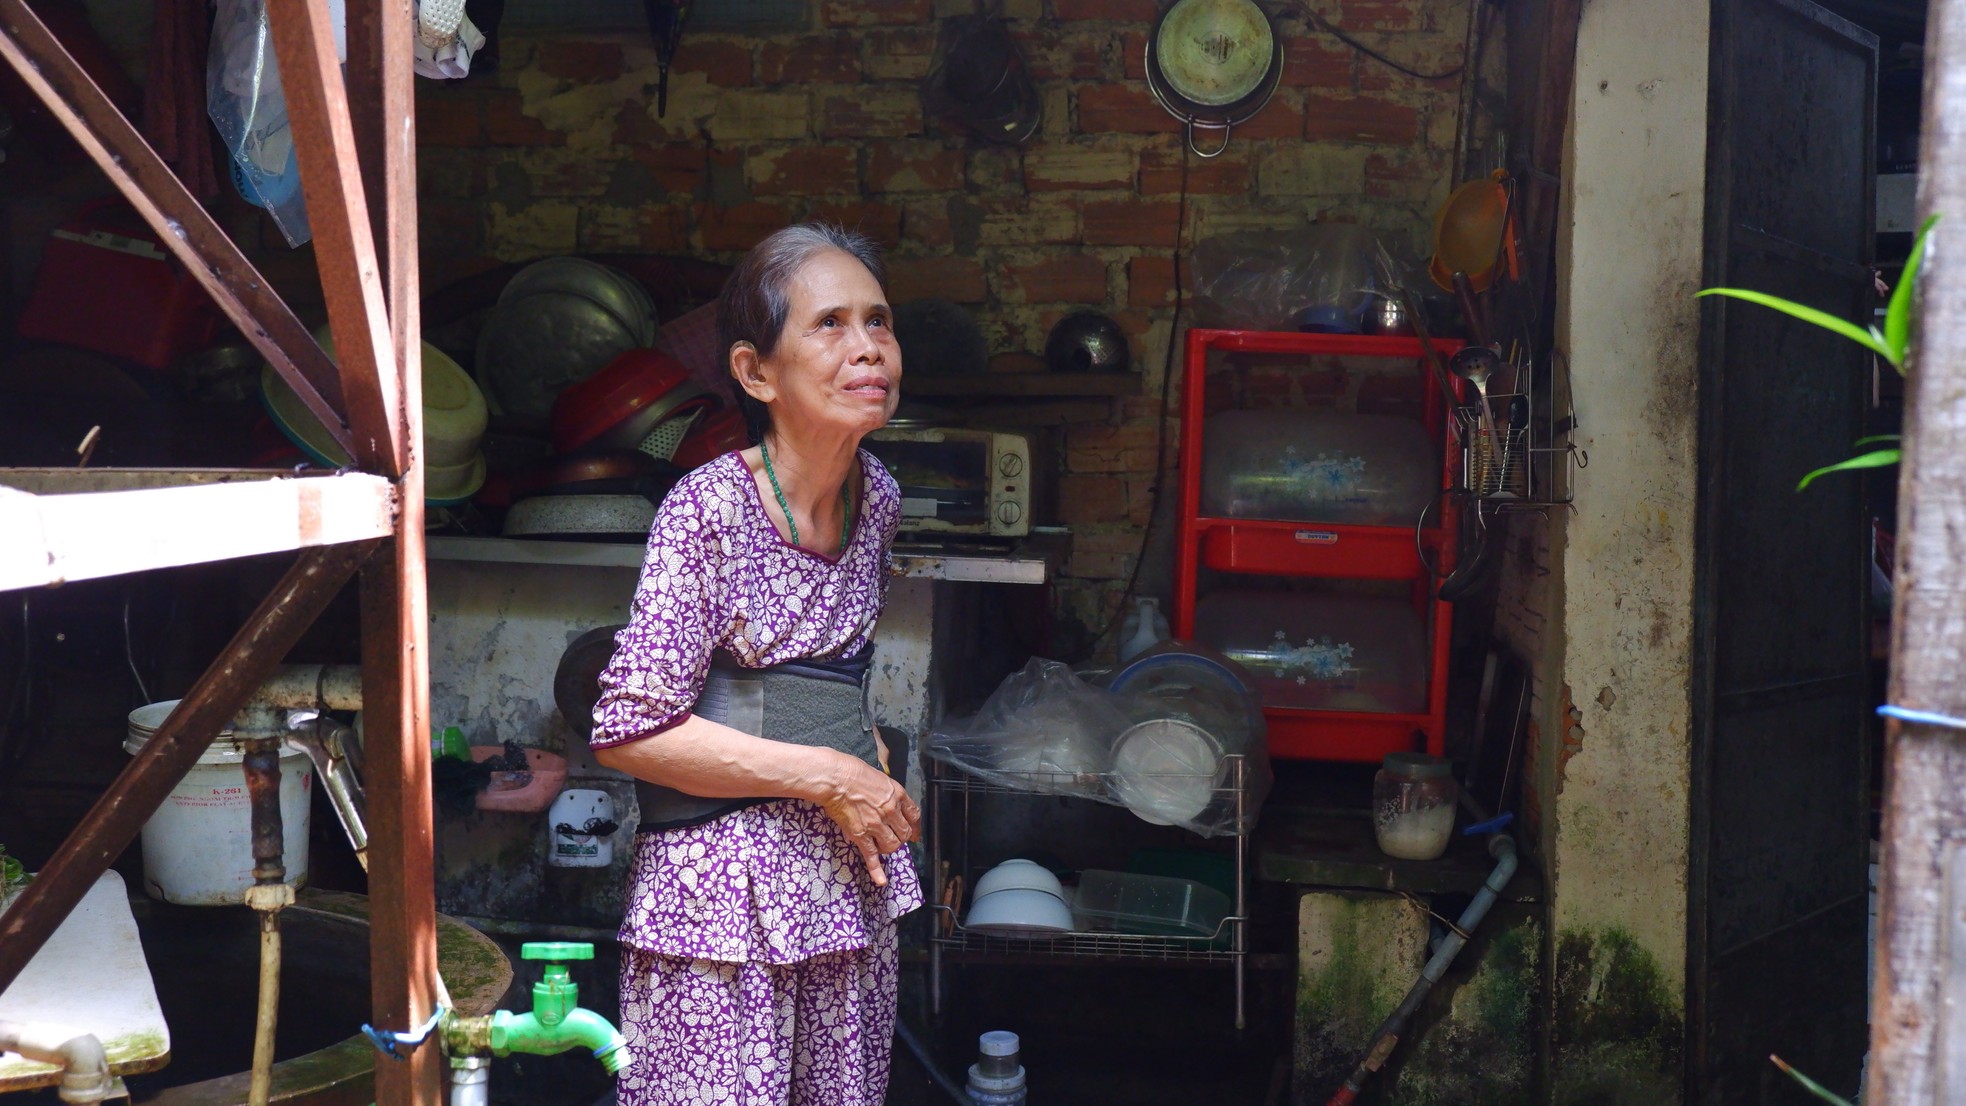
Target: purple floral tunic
(776, 883)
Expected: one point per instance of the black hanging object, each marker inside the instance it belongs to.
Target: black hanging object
(666, 29)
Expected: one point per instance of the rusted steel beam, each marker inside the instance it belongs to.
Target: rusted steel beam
(1917, 1043)
(113, 822)
(344, 244)
(180, 222)
(396, 728)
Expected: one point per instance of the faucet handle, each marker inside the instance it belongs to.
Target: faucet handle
(556, 950)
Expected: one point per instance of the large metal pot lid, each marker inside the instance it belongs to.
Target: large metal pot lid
(1214, 52)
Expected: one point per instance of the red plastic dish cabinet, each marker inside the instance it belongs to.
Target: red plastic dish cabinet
(1259, 547)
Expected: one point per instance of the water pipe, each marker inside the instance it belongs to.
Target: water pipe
(84, 1068)
(470, 1081)
(269, 894)
(331, 746)
(1500, 846)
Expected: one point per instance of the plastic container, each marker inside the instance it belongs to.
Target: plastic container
(997, 1076)
(1314, 651)
(198, 846)
(1413, 801)
(1128, 902)
(1317, 466)
(1144, 628)
(582, 826)
(107, 262)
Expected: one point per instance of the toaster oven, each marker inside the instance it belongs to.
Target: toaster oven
(953, 481)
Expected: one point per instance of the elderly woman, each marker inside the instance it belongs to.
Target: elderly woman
(758, 959)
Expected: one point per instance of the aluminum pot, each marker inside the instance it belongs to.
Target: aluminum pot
(1213, 64)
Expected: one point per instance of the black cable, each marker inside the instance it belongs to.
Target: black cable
(1331, 29)
(1166, 387)
(936, 1075)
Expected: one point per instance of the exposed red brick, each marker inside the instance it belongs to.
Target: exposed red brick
(1051, 167)
(875, 13)
(951, 278)
(871, 114)
(926, 223)
(1133, 52)
(1360, 119)
(1227, 175)
(584, 62)
(1425, 53)
(1150, 282)
(1130, 11)
(1310, 63)
(1027, 221)
(804, 171)
(1130, 223)
(507, 124)
(676, 168)
(1384, 15)
(1074, 278)
(1103, 447)
(1121, 109)
(815, 59)
(1282, 118)
(1404, 176)
(899, 53)
(1054, 53)
(1086, 498)
(741, 226)
(726, 64)
(913, 167)
(665, 229)
(449, 120)
(881, 222)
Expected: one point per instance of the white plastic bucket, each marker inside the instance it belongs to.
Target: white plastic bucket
(198, 847)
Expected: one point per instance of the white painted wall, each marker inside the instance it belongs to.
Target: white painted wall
(1628, 267)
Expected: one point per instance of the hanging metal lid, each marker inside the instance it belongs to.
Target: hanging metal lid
(1215, 52)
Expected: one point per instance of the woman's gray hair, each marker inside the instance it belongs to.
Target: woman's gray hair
(756, 299)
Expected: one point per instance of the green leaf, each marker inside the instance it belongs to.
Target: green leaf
(1865, 338)
(1876, 460)
(1809, 1084)
(1897, 316)
(1878, 438)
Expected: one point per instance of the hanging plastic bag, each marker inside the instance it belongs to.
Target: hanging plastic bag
(245, 99)
(1318, 278)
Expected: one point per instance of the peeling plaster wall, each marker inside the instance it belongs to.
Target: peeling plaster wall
(1616, 734)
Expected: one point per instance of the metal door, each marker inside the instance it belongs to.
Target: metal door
(1780, 830)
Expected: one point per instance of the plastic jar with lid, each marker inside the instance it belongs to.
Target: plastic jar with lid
(1413, 801)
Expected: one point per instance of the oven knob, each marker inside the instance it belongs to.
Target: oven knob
(1010, 464)
(1009, 513)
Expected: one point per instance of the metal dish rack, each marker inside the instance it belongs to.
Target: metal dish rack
(1536, 461)
(1229, 944)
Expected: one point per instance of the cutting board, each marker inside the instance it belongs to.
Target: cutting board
(90, 977)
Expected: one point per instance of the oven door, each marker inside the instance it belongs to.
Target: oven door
(945, 483)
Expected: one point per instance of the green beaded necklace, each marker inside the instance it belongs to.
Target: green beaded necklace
(846, 501)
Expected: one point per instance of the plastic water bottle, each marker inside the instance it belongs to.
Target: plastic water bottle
(1144, 628)
(996, 1078)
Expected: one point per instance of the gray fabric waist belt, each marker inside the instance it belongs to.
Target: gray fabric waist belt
(817, 703)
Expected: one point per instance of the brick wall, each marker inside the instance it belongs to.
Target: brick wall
(564, 145)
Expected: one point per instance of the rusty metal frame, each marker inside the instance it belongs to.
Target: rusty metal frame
(355, 136)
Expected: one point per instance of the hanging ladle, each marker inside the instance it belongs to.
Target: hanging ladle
(1475, 363)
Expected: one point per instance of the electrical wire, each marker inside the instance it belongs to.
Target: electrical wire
(1166, 391)
(129, 650)
(1333, 30)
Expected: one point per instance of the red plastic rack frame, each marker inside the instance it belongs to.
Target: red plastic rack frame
(1265, 547)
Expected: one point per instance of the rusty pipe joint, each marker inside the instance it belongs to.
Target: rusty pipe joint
(84, 1067)
(466, 1035)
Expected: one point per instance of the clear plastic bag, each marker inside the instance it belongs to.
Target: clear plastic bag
(1159, 746)
(1320, 278)
(245, 99)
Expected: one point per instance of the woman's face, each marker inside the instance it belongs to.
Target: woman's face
(837, 366)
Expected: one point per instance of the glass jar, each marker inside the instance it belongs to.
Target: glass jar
(1413, 801)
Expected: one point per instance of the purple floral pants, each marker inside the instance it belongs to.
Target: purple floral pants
(720, 1033)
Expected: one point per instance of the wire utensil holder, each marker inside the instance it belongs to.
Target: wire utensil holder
(1229, 944)
(1529, 462)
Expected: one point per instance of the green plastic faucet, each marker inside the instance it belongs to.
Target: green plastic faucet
(557, 1022)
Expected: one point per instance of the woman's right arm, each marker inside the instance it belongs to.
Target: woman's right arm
(700, 757)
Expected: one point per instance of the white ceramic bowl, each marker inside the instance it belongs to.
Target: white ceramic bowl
(1026, 874)
(1019, 911)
